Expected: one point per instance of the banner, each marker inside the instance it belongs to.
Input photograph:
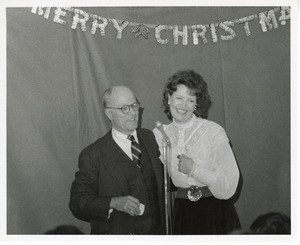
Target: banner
(267, 20)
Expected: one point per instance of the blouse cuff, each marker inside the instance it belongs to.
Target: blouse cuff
(204, 176)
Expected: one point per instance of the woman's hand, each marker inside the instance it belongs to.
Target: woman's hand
(185, 164)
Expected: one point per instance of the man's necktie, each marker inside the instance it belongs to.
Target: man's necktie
(135, 151)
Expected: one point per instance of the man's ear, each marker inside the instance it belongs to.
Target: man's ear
(108, 113)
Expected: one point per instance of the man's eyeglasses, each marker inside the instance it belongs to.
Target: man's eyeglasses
(126, 108)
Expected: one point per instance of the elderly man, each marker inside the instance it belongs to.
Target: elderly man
(119, 185)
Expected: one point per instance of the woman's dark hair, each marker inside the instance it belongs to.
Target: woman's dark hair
(193, 81)
(271, 223)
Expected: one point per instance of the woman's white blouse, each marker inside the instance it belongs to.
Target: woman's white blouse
(207, 144)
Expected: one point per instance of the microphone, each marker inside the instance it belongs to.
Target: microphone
(159, 126)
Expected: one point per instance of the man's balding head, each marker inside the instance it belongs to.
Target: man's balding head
(116, 97)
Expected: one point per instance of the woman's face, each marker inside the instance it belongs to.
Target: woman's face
(182, 104)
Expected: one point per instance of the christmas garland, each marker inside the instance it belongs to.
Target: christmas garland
(267, 20)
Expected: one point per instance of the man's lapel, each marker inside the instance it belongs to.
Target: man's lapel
(111, 153)
(154, 157)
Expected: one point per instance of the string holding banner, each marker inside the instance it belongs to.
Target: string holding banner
(267, 20)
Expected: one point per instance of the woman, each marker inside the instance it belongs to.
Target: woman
(202, 164)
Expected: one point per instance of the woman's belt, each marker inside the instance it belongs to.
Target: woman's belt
(194, 193)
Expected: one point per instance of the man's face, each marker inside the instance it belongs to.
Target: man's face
(125, 123)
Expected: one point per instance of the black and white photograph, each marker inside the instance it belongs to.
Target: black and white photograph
(155, 122)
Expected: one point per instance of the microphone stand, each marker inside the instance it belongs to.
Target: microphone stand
(168, 204)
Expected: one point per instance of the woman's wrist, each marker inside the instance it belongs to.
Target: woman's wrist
(193, 170)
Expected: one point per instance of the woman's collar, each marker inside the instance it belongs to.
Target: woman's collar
(186, 124)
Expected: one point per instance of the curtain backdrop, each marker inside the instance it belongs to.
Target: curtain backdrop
(56, 76)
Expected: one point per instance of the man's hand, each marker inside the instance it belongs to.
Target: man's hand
(127, 204)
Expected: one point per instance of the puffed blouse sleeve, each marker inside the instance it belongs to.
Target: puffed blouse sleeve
(222, 175)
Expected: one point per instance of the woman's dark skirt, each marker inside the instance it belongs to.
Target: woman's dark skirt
(206, 216)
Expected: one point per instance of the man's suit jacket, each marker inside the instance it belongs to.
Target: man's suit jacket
(100, 177)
